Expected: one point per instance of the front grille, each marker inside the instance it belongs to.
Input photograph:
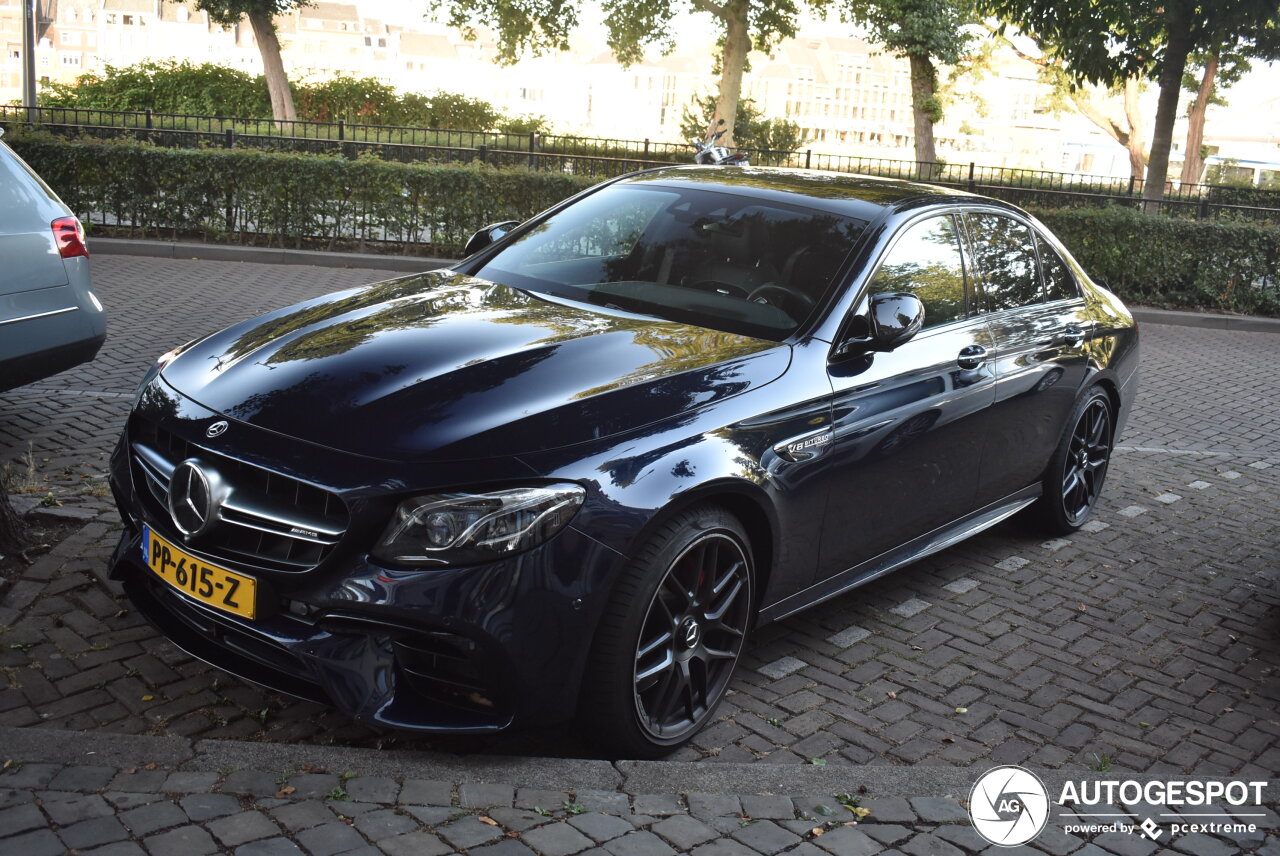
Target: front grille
(265, 519)
(447, 669)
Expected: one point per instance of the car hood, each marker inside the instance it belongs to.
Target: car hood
(445, 365)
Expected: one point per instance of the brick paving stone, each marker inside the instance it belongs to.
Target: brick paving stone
(782, 667)
(423, 792)
(557, 839)
(481, 795)
(302, 815)
(153, 817)
(1199, 844)
(657, 804)
(928, 844)
(638, 843)
(910, 608)
(765, 836)
(41, 842)
(847, 841)
(600, 827)
(530, 798)
(330, 838)
(377, 825)
(183, 841)
(182, 782)
(768, 807)
(849, 637)
(597, 800)
(468, 832)
(713, 805)
(724, 847)
(74, 808)
(256, 783)
(119, 848)
(201, 807)
(379, 789)
(82, 778)
(20, 818)
(414, 844)
(269, 847)
(889, 809)
(138, 781)
(92, 833)
(506, 847)
(684, 832)
(939, 810)
(242, 828)
(1125, 844)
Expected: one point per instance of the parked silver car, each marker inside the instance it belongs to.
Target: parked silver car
(50, 319)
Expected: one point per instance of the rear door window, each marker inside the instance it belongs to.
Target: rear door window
(1004, 253)
(1059, 284)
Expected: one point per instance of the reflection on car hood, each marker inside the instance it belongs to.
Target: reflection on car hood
(445, 365)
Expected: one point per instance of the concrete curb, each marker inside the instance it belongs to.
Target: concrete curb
(262, 255)
(1237, 323)
(416, 264)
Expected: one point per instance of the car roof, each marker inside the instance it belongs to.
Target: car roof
(865, 197)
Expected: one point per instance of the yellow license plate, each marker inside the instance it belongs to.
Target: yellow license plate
(218, 587)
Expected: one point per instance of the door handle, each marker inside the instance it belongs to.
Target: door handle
(1072, 335)
(971, 357)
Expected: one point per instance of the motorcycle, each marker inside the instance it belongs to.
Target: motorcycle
(707, 152)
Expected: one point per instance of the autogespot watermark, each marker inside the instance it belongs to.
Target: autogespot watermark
(1010, 806)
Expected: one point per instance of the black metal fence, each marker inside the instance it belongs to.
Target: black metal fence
(603, 157)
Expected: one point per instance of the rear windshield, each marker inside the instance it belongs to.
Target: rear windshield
(717, 260)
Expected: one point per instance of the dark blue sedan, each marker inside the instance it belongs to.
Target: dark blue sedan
(570, 474)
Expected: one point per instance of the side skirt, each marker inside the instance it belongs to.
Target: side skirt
(891, 560)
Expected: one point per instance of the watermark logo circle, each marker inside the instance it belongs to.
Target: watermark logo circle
(1008, 806)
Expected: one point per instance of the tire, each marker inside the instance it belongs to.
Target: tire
(1074, 478)
(670, 639)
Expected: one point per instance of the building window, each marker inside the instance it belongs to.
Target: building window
(71, 60)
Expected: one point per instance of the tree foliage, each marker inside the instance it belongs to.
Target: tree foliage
(928, 33)
(754, 129)
(635, 27)
(214, 90)
(1106, 41)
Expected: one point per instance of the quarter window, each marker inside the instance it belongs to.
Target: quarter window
(1058, 282)
(1005, 256)
(927, 262)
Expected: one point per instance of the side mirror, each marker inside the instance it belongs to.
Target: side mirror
(486, 236)
(893, 318)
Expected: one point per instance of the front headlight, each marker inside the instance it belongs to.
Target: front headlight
(465, 528)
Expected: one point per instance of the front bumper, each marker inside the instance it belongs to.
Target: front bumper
(457, 650)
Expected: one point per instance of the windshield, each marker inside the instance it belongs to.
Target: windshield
(717, 260)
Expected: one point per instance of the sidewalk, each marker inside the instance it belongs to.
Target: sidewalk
(166, 796)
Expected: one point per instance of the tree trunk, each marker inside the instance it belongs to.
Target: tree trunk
(737, 44)
(1133, 139)
(13, 531)
(924, 110)
(1171, 69)
(1193, 161)
(264, 33)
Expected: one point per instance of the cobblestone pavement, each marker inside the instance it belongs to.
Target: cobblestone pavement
(1149, 641)
(188, 805)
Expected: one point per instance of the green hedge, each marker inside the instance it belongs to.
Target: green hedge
(286, 199)
(1213, 265)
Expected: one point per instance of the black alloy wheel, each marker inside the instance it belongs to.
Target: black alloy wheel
(1085, 465)
(1074, 478)
(671, 636)
(692, 635)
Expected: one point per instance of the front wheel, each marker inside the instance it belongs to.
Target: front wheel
(671, 636)
(1078, 468)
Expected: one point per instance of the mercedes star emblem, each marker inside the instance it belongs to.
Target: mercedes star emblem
(217, 429)
(193, 498)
